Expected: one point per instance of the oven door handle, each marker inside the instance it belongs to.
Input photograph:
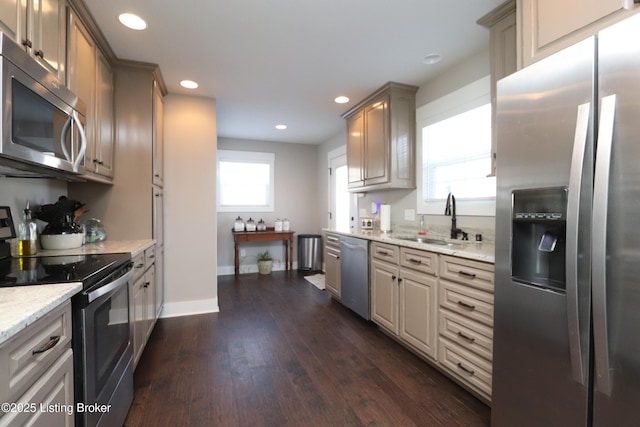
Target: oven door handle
(103, 290)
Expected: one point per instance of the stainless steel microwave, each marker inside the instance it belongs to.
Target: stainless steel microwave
(42, 122)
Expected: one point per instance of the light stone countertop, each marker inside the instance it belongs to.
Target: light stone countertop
(481, 251)
(105, 247)
(20, 306)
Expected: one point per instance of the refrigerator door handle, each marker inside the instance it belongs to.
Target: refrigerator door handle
(576, 347)
(599, 243)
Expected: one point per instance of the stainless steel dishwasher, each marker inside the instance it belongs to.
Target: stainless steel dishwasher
(354, 274)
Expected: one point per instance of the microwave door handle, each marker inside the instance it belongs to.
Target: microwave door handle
(83, 141)
(63, 143)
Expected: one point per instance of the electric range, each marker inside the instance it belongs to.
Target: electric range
(43, 270)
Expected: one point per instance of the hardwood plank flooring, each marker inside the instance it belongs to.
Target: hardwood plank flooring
(282, 353)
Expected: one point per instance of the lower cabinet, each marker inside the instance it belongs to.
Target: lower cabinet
(332, 264)
(403, 296)
(35, 382)
(439, 306)
(142, 301)
(465, 322)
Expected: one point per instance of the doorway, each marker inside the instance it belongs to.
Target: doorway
(340, 200)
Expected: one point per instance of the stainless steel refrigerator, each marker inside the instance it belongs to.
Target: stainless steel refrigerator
(567, 293)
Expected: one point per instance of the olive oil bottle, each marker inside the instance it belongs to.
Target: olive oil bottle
(27, 235)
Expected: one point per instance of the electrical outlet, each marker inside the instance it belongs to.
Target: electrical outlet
(374, 208)
(243, 252)
(409, 214)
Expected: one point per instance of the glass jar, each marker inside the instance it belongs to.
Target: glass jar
(250, 225)
(238, 225)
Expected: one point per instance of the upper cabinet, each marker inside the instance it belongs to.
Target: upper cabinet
(548, 26)
(158, 135)
(503, 57)
(381, 139)
(39, 26)
(91, 78)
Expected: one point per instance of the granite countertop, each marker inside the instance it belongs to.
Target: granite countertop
(21, 306)
(478, 251)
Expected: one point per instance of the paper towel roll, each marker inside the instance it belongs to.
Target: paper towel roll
(385, 218)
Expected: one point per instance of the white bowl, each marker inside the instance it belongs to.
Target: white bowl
(61, 241)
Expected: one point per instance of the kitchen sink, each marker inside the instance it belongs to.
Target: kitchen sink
(428, 240)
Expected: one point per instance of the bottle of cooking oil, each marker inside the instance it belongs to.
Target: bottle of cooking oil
(27, 235)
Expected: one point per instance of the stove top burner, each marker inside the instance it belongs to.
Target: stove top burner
(25, 271)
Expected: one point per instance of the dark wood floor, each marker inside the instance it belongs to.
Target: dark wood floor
(281, 353)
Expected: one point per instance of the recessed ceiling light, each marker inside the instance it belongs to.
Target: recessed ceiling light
(432, 58)
(341, 100)
(189, 84)
(281, 127)
(132, 21)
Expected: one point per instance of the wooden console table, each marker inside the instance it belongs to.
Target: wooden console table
(264, 236)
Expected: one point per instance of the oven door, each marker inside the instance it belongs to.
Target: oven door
(37, 126)
(106, 374)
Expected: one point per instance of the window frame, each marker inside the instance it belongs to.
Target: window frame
(246, 157)
(464, 99)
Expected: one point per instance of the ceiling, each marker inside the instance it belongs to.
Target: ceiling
(284, 61)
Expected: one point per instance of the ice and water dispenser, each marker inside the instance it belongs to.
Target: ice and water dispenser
(539, 237)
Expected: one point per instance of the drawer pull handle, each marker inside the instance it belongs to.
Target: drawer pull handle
(385, 253)
(467, 306)
(467, 370)
(48, 346)
(466, 274)
(140, 265)
(465, 337)
(415, 261)
(333, 255)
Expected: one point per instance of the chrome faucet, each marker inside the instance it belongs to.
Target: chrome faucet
(450, 210)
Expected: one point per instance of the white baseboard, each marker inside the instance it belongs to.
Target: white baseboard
(189, 308)
(227, 270)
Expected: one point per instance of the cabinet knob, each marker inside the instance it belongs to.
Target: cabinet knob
(39, 53)
(27, 43)
(393, 277)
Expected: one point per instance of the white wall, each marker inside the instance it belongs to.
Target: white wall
(190, 205)
(296, 199)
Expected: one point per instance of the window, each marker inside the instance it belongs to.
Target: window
(245, 181)
(455, 152)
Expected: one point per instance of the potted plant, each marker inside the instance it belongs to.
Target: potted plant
(265, 262)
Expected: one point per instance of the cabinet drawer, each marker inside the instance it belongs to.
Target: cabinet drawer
(332, 241)
(472, 273)
(466, 366)
(466, 301)
(149, 256)
(382, 251)
(467, 333)
(30, 353)
(425, 262)
(54, 390)
(138, 266)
